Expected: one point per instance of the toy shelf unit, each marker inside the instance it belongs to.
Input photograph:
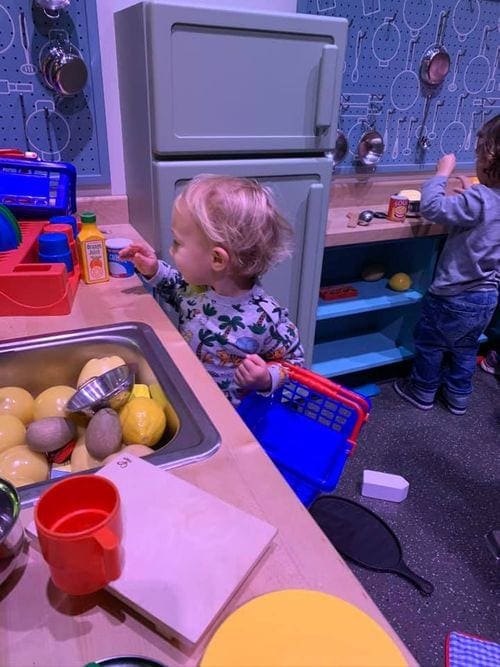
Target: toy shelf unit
(29, 287)
(375, 327)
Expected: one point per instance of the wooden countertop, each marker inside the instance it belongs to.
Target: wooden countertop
(42, 627)
(351, 195)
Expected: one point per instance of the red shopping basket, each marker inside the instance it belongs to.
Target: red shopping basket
(308, 427)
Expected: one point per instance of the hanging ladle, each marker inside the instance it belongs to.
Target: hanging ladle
(370, 148)
(436, 62)
(435, 65)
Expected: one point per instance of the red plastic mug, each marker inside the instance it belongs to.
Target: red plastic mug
(79, 527)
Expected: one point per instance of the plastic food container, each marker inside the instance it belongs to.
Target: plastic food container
(118, 268)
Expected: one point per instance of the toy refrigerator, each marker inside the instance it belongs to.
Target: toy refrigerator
(213, 90)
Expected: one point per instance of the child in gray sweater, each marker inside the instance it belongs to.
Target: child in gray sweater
(463, 295)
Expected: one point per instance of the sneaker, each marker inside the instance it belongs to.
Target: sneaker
(451, 407)
(404, 389)
(491, 363)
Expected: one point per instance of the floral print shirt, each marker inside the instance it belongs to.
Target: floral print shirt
(222, 330)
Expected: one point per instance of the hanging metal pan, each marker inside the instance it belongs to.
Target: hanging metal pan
(435, 65)
(340, 148)
(370, 148)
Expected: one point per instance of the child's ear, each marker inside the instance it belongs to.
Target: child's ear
(220, 258)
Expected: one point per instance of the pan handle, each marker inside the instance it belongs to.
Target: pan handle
(424, 586)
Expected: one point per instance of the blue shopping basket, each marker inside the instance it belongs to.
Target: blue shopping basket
(308, 427)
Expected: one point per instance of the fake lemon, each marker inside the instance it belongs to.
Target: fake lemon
(143, 421)
(52, 402)
(400, 282)
(18, 402)
(12, 432)
(20, 465)
(98, 366)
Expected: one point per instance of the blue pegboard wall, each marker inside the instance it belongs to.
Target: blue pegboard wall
(381, 88)
(33, 116)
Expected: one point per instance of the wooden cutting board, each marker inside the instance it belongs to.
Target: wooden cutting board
(186, 551)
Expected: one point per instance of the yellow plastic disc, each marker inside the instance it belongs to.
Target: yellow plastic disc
(301, 628)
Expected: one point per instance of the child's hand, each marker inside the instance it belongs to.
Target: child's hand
(142, 256)
(465, 182)
(252, 374)
(446, 165)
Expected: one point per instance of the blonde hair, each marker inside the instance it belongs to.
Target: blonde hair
(240, 215)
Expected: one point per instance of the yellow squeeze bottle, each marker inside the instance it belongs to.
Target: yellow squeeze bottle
(92, 250)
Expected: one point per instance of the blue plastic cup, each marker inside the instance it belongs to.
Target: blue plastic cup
(66, 220)
(54, 247)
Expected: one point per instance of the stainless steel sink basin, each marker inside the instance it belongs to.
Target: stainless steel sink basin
(44, 361)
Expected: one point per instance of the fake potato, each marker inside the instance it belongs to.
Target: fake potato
(12, 432)
(96, 367)
(18, 402)
(49, 434)
(52, 402)
(20, 465)
(104, 433)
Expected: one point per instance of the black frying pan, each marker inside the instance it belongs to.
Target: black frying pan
(360, 535)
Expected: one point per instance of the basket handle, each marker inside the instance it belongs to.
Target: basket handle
(333, 390)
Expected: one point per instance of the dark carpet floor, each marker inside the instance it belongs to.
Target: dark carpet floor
(453, 466)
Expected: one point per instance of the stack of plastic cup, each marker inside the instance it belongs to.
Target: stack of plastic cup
(66, 220)
(67, 230)
(54, 247)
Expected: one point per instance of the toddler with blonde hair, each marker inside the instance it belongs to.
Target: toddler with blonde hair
(227, 232)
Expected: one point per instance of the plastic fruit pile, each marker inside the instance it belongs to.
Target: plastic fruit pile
(37, 434)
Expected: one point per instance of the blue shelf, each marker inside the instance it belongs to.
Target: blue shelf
(358, 353)
(371, 296)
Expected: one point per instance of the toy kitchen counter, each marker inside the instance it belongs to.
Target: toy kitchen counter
(351, 195)
(44, 627)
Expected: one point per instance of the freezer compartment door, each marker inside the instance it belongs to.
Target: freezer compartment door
(226, 81)
(301, 189)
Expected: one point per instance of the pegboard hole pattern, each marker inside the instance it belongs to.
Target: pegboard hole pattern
(382, 90)
(34, 117)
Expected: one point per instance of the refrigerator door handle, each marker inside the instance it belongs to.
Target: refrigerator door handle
(326, 87)
(311, 266)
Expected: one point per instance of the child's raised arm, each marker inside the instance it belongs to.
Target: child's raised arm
(143, 258)
(446, 165)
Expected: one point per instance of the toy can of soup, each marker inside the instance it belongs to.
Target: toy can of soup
(398, 208)
(118, 268)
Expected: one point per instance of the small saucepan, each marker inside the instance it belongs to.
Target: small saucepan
(370, 148)
(340, 148)
(435, 65)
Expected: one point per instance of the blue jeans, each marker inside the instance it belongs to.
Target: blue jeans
(446, 344)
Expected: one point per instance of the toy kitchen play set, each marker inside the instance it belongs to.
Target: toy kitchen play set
(287, 99)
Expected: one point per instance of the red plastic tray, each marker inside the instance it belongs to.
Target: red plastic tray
(30, 287)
